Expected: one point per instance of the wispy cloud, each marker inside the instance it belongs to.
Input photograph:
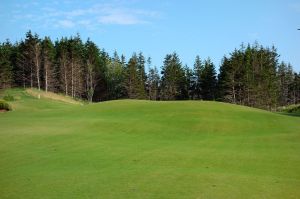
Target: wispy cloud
(121, 16)
(120, 19)
(65, 24)
(90, 16)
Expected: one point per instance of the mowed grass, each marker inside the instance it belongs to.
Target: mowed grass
(146, 149)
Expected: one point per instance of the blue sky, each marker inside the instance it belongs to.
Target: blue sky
(206, 28)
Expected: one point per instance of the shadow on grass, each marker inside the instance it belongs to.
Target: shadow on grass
(290, 114)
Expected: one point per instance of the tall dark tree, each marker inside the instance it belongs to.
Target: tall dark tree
(189, 84)
(115, 76)
(141, 75)
(173, 79)
(48, 65)
(21, 72)
(132, 77)
(92, 68)
(62, 59)
(32, 58)
(295, 87)
(198, 69)
(76, 53)
(153, 82)
(226, 82)
(208, 81)
(6, 68)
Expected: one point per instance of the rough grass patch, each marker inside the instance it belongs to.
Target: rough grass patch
(9, 98)
(53, 96)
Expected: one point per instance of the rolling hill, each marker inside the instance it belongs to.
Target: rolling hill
(51, 148)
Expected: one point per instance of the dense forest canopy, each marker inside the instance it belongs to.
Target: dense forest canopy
(251, 75)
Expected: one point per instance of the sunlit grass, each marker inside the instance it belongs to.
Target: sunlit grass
(145, 149)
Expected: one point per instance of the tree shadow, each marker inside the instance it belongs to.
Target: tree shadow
(290, 114)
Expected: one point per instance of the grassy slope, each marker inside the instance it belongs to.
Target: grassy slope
(143, 149)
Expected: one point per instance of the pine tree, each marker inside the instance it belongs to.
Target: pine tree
(142, 78)
(153, 83)
(21, 69)
(76, 54)
(62, 59)
(188, 85)
(208, 81)
(296, 88)
(198, 69)
(226, 82)
(6, 69)
(32, 59)
(132, 78)
(92, 62)
(101, 90)
(115, 77)
(173, 79)
(48, 63)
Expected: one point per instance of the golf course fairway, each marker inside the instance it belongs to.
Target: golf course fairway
(146, 149)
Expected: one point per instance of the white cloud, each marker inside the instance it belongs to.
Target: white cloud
(66, 24)
(125, 16)
(84, 22)
(120, 19)
(91, 16)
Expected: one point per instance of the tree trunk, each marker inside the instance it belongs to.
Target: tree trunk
(72, 80)
(65, 77)
(37, 69)
(46, 78)
(31, 77)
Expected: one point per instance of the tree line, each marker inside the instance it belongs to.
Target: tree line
(250, 75)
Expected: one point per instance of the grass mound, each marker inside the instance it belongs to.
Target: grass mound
(145, 149)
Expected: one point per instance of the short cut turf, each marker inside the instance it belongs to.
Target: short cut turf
(146, 149)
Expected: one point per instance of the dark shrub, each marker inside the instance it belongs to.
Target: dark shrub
(4, 105)
(294, 109)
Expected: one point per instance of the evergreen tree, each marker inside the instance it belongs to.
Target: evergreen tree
(48, 64)
(153, 83)
(32, 52)
(296, 88)
(76, 54)
(92, 68)
(115, 77)
(198, 69)
(189, 84)
(62, 59)
(141, 76)
(208, 81)
(226, 82)
(6, 68)
(21, 70)
(173, 79)
(131, 77)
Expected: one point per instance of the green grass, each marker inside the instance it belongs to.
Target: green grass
(144, 149)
